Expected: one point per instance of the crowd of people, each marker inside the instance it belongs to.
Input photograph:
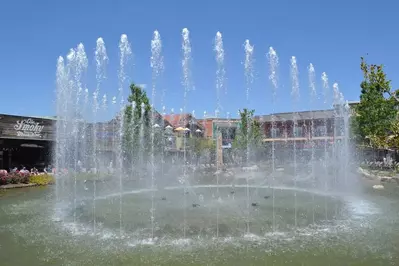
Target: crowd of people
(32, 171)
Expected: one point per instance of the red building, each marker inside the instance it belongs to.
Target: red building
(186, 121)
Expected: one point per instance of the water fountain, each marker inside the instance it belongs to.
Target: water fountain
(273, 66)
(130, 184)
(295, 96)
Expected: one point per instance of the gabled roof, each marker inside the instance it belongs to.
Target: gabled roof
(180, 120)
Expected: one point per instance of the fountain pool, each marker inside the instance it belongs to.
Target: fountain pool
(126, 199)
(365, 232)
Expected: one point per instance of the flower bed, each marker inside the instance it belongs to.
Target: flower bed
(25, 178)
(41, 179)
(14, 178)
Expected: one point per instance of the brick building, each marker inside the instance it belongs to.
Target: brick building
(318, 125)
(228, 128)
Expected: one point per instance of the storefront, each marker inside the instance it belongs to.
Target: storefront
(26, 141)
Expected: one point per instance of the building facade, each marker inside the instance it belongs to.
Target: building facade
(318, 125)
(182, 126)
(29, 141)
(227, 127)
(26, 141)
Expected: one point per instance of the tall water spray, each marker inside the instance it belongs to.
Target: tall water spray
(346, 144)
(220, 85)
(339, 135)
(326, 91)
(78, 65)
(81, 145)
(295, 98)
(273, 77)
(61, 94)
(85, 137)
(141, 136)
(70, 121)
(186, 81)
(124, 56)
(220, 71)
(313, 94)
(103, 138)
(101, 60)
(195, 133)
(249, 67)
(133, 131)
(157, 68)
(335, 130)
(163, 115)
(249, 78)
(114, 143)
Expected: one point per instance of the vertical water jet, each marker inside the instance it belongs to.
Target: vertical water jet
(313, 94)
(220, 85)
(78, 65)
(273, 77)
(186, 81)
(61, 105)
(220, 71)
(326, 91)
(295, 98)
(157, 68)
(104, 136)
(249, 78)
(125, 53)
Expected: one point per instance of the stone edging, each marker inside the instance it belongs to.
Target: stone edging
(9, 186)
(370, 175)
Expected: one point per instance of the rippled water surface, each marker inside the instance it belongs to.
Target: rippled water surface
(327, 230)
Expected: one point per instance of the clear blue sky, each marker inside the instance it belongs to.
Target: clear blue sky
(330, 34)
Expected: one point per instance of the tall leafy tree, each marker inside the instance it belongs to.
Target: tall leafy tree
(201, 146)
(135, 120)
(377, 109)
(249, 134)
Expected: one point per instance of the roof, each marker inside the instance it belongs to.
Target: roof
(45, 117)
(180, 120)
(34, 117)
(183, 120)
(219, 119)
(305, 115)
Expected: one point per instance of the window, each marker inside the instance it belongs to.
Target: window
(275, 132)
(320, 131)
(228, 134)
(339, 127)
(298, 132)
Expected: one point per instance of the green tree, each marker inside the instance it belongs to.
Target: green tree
(393, 138)
(135, 120)
(201, 146)
(249, 133)
(377, 108)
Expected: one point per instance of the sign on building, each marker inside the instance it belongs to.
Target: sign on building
(28, 128)
(18, 127)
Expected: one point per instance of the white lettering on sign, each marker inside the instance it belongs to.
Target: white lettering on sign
(28, 128)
